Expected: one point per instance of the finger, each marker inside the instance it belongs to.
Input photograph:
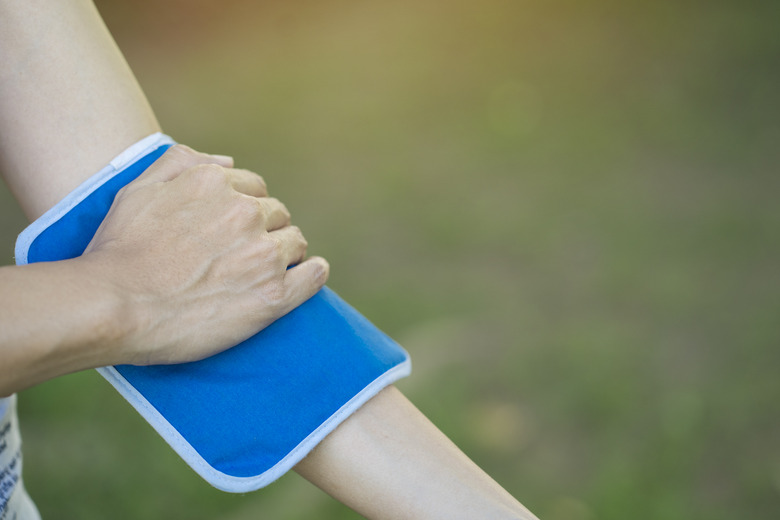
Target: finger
(223, 160)
(246, 182)
(292, 245)
(304, 280)
(274, 213)
(177, 159)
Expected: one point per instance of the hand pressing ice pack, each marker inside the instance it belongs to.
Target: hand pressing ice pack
(243, 417)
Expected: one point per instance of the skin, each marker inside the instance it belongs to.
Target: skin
(64, 86)
(389, 462)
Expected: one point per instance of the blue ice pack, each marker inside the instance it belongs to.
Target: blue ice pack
(244, 417)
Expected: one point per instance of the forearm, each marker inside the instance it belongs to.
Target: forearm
(56, 319)
(68, 101)
(388, 462)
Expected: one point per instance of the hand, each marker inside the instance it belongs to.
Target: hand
(201, 256)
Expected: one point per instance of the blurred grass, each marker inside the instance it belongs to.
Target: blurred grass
(566, 211)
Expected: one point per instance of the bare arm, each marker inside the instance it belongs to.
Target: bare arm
(389, 462)
(385, 461)
(68, 101)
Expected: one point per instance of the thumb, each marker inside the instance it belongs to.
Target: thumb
(303, 281)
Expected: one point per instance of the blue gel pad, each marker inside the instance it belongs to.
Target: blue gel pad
(244, 417)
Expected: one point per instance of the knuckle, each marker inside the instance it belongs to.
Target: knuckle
(259, 182)
(277, 246)
(283, 208)
(249, 204)
(210, 170)
(298, 236)
(208, 176)
(181, 154)
(181, 149)
(279, 208)
(245, 211)
(270, 249)
(276, 292)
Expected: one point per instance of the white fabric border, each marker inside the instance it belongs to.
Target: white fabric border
(118, 164)
(232, 483)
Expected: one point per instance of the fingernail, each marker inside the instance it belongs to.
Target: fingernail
(324, 270)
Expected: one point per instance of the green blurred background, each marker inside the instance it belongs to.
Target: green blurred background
(566, 211)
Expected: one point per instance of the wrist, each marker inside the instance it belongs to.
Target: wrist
(57, 318)
(115, 314)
